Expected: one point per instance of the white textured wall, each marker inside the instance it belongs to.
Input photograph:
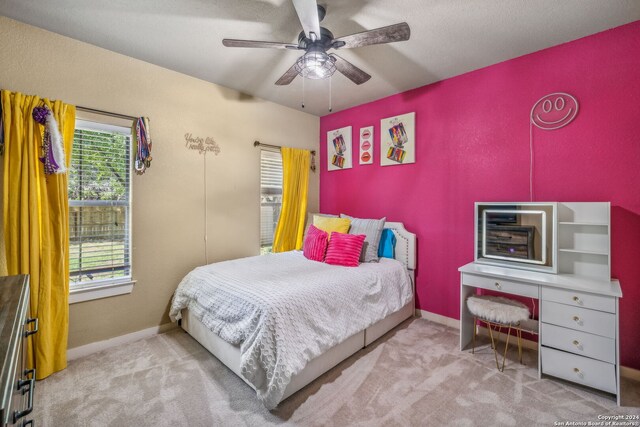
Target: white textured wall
(168, 212)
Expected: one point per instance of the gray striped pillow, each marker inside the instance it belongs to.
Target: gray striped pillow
(372, 229)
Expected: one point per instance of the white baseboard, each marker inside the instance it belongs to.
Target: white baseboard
(625, 371)
(438, 318)
(85, 350)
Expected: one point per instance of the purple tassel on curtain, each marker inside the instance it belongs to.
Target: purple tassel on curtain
(52, 149)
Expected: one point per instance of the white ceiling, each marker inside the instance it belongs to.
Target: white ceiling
(448, 38)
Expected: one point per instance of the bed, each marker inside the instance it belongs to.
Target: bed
(299, 318)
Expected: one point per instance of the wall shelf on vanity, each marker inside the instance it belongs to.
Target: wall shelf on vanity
(584, 239)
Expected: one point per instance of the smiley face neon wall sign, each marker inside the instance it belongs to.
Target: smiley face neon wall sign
(554, 111)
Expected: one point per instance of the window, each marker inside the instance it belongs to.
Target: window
(99, 207)
(270, 197)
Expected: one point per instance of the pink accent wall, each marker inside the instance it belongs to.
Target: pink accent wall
(472, 144)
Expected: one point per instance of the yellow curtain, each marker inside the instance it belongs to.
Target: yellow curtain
(295, 186)
(36, 232)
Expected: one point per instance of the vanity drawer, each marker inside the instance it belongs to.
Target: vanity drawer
(577, 342)
(500, 285)
(581, 319)
(579, 299)
(579, 369)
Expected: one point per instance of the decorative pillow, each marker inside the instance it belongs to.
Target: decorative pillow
(310, 222)
(372, 228)
(344, 249)
(315, 244)
(339, 225)
(387, 247)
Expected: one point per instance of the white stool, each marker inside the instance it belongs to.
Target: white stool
(500, 312)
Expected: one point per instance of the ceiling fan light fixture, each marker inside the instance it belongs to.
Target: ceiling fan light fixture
(315, 65)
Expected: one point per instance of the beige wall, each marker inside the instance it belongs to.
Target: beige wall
(168, 201)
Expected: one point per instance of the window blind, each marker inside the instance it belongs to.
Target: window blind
(99, 205)
(270, 196)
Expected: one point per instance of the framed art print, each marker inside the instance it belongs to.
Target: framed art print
(398, 140)
(339, 149)
(366, 146)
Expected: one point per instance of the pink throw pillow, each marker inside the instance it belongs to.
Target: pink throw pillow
(344, 249)
(315, 244)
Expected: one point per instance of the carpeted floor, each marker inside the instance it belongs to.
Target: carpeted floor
(415, 375)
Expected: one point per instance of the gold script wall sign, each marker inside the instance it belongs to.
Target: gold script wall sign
(201, 145)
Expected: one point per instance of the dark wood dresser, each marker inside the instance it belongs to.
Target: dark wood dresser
(17, 383)
(510, 241)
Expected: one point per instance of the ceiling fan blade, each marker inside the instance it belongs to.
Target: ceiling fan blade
(307, 11)
(288, 76)
(392, 33)
(352, 72)
(254, 43)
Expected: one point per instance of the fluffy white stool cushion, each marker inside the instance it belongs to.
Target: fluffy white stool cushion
(497, 309)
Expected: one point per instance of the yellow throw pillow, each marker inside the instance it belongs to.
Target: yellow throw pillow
(340, 225)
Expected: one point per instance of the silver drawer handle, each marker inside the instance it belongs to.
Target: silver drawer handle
(498, 285)
(35, 326)
(26, 386)
(577, 343)
(577, 300)
(578, 372)
(576, 319)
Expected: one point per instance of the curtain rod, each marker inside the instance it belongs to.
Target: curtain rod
(260, 144)
(105, 113)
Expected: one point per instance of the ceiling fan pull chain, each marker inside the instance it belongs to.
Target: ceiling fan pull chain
(302, 93)
(330, 79)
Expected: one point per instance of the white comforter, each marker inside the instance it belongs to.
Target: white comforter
(283, 310)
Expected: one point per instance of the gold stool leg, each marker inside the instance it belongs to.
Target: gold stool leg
(520, 345)
(493, 346)
(506, 347)
(475, 326)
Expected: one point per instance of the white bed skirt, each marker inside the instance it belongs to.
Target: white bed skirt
(229, 354)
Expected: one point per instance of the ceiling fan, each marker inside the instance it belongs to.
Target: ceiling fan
(315, 40)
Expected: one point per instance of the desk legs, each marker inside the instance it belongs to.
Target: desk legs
(466, 318)
(540, 302)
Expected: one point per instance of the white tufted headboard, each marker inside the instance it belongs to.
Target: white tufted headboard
(405, 244)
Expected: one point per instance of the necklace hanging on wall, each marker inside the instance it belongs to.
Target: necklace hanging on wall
(143, 145)
(203, 146)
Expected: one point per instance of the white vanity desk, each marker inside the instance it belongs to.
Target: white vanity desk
(578, 318)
